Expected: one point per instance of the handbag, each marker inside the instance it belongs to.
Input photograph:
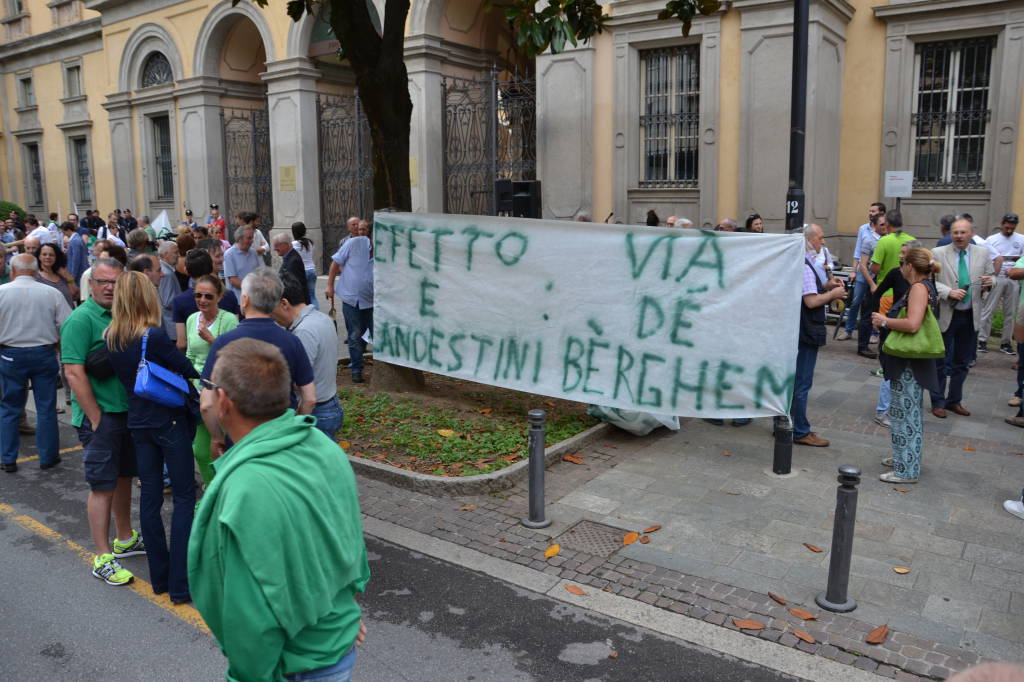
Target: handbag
(925, 344)
(159, 384)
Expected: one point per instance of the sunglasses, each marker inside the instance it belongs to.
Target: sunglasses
(209, 384)
(201, 296)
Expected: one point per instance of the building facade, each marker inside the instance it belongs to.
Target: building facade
(166, 105)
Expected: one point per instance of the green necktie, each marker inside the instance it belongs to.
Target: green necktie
(964, 276)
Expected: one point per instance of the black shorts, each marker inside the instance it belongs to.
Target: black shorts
(109, 451)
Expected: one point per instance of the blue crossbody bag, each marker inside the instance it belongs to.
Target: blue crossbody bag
(159, 384)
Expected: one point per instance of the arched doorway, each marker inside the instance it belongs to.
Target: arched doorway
(233, 48)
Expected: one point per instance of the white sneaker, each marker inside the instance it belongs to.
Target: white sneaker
(882, 419)
(843, 336)
(1015, 507)
(887, 462)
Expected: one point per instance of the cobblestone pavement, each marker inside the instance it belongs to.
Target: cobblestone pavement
(731, 533)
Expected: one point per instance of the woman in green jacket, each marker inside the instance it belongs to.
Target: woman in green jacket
(201, 329)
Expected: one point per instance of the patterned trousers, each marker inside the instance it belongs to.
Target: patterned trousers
(907, 429)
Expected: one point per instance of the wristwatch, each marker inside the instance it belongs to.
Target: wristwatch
(885, 323)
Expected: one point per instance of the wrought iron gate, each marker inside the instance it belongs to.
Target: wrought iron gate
(490, 132)
(346, 172)
(248, 184)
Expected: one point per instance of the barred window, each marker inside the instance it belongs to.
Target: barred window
(35, 175)
(164, 184)
(156, 70)
(670, 122)
(952, 112)
(83, 175)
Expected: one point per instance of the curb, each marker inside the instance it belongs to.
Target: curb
(481, 484)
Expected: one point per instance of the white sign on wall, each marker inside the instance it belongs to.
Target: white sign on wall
(663, 320)
(899, 184)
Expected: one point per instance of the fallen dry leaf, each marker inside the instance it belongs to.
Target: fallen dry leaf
(778, 598)
(573, 459)
(575, 590)
(468, 507)
(725, 453)
(644, 540)
(902, 570)
(381, 457)
(487, 410)
(630, 538)
(549, 403)
(747, 624)
(345, 444)
(901, 490)
(803, 615)
(551, 551)
(878, 635)
(968, 448)
(447, 433)
(806, 636)
(614, 654)
(812, 547)
(652, 529)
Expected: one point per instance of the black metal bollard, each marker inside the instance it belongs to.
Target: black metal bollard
(835, 598)
(536, 519)
(782, 459)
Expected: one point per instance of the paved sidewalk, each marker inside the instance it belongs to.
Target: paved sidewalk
(730, 533)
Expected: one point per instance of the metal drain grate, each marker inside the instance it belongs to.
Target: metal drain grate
(593, 538)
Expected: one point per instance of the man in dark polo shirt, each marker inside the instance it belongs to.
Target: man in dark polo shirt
(261, 293)
(99, 410)
(197, 264)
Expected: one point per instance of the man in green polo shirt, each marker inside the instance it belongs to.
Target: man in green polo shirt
(99, 410)
(887, 255)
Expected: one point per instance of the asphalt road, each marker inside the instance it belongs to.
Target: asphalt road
(427, 619)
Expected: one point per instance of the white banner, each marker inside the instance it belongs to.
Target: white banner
(663, 320)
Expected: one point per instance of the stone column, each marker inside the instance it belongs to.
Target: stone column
(291, 102)
(202, 143)
(119, 113)
(426, 143)
(565, 154)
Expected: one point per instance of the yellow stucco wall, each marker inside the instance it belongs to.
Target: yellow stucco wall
(860, 147)
(729, 118)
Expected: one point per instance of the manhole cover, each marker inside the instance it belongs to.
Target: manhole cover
(592, 538)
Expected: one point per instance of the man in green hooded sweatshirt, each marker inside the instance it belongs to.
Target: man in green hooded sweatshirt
(276, 555)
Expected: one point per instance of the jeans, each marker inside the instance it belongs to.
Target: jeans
(329, 417)
(884, 397)
(860, 289)
(806, 358)
(864, 330)
(1003, 296)
(961, 343)
(311, 286)
(357, 322)
(170, 445)
(339, 672)
(19, 366)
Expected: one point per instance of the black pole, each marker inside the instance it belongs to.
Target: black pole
(798, 119)
(783, 456)
(835, 597)
(536, 519)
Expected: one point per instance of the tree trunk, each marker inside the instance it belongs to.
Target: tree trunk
(379, 65)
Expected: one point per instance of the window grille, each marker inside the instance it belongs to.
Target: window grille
(35, 175)
(952, 113)
(156, 70)
(670, 122)
(162, 157)
(83, 177)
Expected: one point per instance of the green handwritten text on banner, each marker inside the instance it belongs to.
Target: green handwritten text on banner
(671, 321)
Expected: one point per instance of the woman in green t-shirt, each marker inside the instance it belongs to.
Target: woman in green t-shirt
(201, 329)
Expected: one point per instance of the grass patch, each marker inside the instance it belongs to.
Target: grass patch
(455, 428)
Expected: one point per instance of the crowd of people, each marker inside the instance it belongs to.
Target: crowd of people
(929, 311)
(183, 354)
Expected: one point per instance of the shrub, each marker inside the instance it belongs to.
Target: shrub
(6, 207)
